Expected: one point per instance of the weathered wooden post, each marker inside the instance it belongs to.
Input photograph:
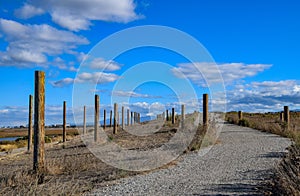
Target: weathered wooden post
(281, 116)
(182, 115)
(123, 118)
(104, 119)
(29, 145)
(96, 121)
(163, 116)
(240, 114)
(64, 121)
(39, 123)
(84, 120)
(131, 118)
(287, 116)
(115, 118)
(205, 109)
(173, 116)
(167, 112)
(139, 116)
(128, 117)
(110, 119)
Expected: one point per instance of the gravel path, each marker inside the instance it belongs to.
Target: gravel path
(238, 164)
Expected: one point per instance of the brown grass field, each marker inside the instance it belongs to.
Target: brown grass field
(72, 169)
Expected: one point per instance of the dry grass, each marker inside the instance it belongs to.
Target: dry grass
(71, 168)
(22, 132)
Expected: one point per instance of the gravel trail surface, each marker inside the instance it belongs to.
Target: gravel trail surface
(238, 164)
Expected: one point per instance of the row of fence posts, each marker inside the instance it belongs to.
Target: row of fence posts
(38, 132)
(283, 116)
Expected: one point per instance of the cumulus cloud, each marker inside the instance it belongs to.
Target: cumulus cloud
(133, 94)
(264, 96)
(28, 11)
(95, 78)
(209, 73)
(32, 44)
(77, 15)
(103, 65)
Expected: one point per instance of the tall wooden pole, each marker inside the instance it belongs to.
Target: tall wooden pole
(84, 119)
(110, 119)
(96, 122)
(182, 116)
(173, 115)
(123, 117)
(115, 118)
(64, 121)
(104, 119)
(167, 117)
(128, 117)
(240, 114)
(39, 123)
(286, 116)
(29, 145)
(131, 118)
(205, 109)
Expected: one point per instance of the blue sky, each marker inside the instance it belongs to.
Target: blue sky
(255, 46)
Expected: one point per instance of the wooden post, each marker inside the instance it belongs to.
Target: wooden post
(128, 117)
(115, 118)
(286, 115)
(139, 117)
(123, 118)
(64, 121)
(240, 113)
(110, 119)
(163, 115)
(167, 112)
(39, 123)
(131, 118)
(29, 145)
(104, 119)
(281, 116)
(182, 115)
(173, 116)
(205, 109)
(84, 120)
(96, 121)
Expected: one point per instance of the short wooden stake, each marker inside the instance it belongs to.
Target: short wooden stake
(128, 117)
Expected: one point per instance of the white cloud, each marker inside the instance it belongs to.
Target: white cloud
(32, 44)
(264, 96)
(132, 94)
(209, 73)
(28, 11)
(95, 78)
(77, 15)
(103, 65)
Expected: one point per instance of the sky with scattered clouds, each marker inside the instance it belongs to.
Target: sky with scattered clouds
(254, 45)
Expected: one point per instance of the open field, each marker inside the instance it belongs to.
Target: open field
(22, 132)
(71, 168)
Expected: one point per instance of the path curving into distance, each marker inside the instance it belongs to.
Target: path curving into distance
(238, 164)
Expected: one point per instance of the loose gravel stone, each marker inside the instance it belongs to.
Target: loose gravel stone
(238, 164)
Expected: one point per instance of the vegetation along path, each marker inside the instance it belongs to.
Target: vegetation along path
(239, 163)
